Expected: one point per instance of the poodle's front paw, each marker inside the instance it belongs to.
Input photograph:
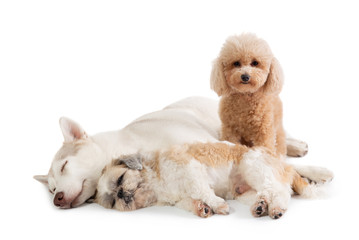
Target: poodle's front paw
(203, 210)
(260, 208)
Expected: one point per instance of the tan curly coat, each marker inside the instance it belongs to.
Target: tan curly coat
(249, 79)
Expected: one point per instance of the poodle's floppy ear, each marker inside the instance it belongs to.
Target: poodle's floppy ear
(218, 80)
(275, 78)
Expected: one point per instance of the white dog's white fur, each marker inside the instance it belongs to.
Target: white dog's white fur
(77, 166)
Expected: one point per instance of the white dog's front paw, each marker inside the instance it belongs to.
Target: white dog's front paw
(296, 148)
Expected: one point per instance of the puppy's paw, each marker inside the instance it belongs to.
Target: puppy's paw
(260, 208)
(276, 212)
(222, 209)
(202, 209)
(296, 148)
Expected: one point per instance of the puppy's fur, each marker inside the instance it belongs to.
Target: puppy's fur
(198, 177)
(77, 165)
(249, 79)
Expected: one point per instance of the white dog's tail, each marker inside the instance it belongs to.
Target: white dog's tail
(307, 180)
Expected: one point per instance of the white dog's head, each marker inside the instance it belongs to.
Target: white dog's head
(76, 167)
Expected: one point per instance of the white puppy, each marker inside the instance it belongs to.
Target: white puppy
(198, 177)
(76, 167)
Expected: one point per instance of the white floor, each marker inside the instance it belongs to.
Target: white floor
(105, 63)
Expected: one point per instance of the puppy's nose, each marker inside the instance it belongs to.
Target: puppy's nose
(245, 77)
(59, 199)
(127, 199)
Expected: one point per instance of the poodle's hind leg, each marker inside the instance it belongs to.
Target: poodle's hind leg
(296, 148)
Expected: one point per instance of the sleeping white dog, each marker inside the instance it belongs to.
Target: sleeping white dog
(199, 177)
(77, 166)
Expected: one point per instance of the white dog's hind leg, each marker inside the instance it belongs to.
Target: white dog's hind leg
(296, 148)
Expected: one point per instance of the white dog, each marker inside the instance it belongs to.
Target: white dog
(198, 177)
(77, 166)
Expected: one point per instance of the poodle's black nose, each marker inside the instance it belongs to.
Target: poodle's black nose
(245, 77)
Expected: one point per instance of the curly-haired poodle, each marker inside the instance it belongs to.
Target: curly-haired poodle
(249, 79)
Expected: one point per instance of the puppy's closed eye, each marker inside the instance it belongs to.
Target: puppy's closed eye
(120, 179)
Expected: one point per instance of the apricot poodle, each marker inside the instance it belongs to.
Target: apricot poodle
(249, 79)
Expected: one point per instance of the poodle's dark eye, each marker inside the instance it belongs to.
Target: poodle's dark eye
(254, 63)
(237, 64)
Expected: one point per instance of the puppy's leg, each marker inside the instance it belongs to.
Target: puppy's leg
(207, 195)
(262, 173)
(281, 146)
(296, 148)
(260, 206)
(272, 202)
(198, 207)
(279, 201)
(314, 174)
(201, 190)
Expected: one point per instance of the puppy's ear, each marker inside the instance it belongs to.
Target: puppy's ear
(275, 78)
(42, 179)
(218, 80)
(71, 130)
(133, 161)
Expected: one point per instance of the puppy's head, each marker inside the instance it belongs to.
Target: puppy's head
(245, 65)
(119, 186)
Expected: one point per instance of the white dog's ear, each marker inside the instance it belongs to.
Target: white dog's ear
(218, 80)
(133, 161)
(71, 130)
(275, 78)
(42, 179)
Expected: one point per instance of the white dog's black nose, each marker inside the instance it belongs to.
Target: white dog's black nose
(245, 77)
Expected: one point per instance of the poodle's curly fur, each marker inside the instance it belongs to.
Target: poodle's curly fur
(249, 79)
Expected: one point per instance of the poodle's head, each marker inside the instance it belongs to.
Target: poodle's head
(246, 65)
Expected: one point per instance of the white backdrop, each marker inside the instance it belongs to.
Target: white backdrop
(104, 63)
